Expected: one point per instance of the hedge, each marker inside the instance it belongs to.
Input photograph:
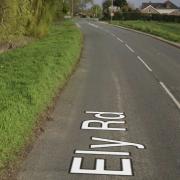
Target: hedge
(141, 16)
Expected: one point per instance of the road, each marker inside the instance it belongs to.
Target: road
(119, 116)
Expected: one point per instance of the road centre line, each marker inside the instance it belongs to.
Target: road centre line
(129, 48)
(149, 69)
(120, 40)
(170, 94)
(103, 153)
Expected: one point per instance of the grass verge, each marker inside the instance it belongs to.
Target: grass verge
(29, 79)
(169, 31)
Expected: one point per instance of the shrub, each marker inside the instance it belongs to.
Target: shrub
(25, 17)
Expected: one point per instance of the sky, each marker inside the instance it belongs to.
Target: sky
(137, 3)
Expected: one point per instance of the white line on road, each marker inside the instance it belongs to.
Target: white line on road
(91, 24)
(130, 48)
(113, 34)
(170, 95)
(103, 153)
(149, 69)
(78, 25)
(120, 40)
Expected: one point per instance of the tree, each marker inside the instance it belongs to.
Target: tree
(96, 11)
(65, 8)
(27, 17)
(106, 4)
(120, 3)
(78, 5)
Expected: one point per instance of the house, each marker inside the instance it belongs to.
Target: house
(160, 8)
(114, 9)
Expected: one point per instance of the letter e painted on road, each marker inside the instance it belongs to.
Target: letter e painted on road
(100, 168)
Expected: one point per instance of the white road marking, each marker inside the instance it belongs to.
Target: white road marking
(113, 34)
(102, 22)
(91, 24)
(120, 40)
(100, 164)
(170, 95)
(100, 168)
(115, 143)
(116, 115)
(149, 69)
(103, 153)
(104, 125)
(129, 48)
(77, 24)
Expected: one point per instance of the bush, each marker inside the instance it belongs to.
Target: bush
(25, 17)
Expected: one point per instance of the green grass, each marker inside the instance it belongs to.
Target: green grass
(29, 79)
(169, 31)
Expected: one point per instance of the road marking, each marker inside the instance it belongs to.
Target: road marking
(103, 22)
(103, 153)
(100, 168)
(149, 69)
(115, 143)
(113, 34)
(104, 125)
(77, 24)
(170, 95)
(130, 48)
(114, 115)
(91, 24)
(120, 40)
(126, 164)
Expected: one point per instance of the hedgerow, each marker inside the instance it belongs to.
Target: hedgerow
(27, 17)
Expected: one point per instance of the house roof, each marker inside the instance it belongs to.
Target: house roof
(162, 11)
(166, 5)
(150, 7)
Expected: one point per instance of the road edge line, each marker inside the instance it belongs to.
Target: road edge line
(170, 95)
(150, 35)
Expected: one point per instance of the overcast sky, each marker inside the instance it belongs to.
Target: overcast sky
(137, 3)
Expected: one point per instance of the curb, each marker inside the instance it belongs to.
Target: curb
(177, 45)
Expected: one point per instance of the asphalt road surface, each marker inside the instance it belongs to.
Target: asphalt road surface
(119, 116)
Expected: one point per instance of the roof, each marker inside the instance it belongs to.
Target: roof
(162, 11)
(150, 7)
(166, 5)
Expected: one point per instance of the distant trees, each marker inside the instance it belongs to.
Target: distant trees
(121, 4)
(96, 11)
(106, 4)
(78, 5)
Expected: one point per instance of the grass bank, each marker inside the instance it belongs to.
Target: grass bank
(169, 31)
(29, 79)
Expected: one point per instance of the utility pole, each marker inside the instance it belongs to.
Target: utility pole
(112, 7)
(72, 8)
(96, 11)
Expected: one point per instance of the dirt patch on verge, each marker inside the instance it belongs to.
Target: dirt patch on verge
(18, 43)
